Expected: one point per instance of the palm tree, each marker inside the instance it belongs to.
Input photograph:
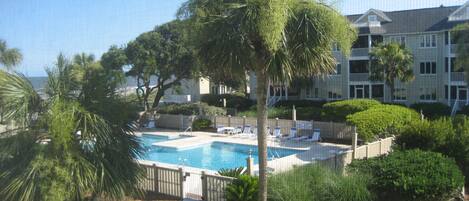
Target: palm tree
(66, 147)
(9, 57)
(391, 62)
(278, 40)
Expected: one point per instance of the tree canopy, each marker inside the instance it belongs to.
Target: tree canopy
(461, 35)
(9, 57)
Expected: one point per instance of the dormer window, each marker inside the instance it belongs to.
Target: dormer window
(372, 18)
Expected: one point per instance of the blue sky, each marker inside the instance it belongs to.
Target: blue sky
(42, 29)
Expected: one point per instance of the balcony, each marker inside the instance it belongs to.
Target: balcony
(452, 50)
(359, 77)
(457, 76)
(360, 52)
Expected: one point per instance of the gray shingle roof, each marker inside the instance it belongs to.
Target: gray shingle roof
(413, 21)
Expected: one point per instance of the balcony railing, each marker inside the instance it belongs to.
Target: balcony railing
(457, 76)
(452, 50)
(360, 52)
(357, 77)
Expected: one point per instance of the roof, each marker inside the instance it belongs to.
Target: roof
(413, 21)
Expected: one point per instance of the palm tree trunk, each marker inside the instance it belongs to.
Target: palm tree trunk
(392, 88)
(261, 131)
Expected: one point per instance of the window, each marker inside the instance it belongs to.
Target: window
(335, 47)
(312, 93)
(427, 68)
(428, 94)
(428, 41)
(376, 40)
(338, 69)
(372, 18)
(447, 36)
(334, 95)
(359, 66)
(377, 91)
(398, 39)
(453, 65)
(400, 94)
(361, 42)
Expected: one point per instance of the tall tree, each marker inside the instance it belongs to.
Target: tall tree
(391, 62)
(74, 144)
(279, 40)
(160, 59)
(461, 36)
(9, 57)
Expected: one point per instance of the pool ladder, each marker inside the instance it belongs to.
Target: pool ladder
(187, 132)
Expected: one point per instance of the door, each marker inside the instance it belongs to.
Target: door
(462, 93)
(359, 91)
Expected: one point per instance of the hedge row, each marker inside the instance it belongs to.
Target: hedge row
(381, 121)
(412, 175)
(338, 111)
(191, 109)
(238, 102)
(432, 110)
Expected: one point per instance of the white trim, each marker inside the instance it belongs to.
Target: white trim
(456, 11)
(384, 16)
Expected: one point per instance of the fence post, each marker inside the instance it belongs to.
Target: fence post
(244, 122)
(380, 147)
(229, 120)
(181, 183)
(276, 122)
(155, 179)
(367, 150)
(331, 127)
(354, 142)
(250, 164)
(181, 121)
(215, 121)
(204, 186)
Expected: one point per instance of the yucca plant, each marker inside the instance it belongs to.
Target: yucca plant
(234, 172)
(76, 143)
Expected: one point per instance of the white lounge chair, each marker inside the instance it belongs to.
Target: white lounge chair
(291, 135)
(247, 129)
(316, 136)
(151, 124)
(220, 129)
(300, 138)
(277, 132)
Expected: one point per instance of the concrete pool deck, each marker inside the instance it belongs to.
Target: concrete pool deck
(312, 151)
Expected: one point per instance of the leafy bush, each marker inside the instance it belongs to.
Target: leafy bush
(300, 103)
(449, 137)
(381, 121)
(243, 188)
(191, 109)
(232, 101)
(315, 183)
(338, 111)
(412, 175)
(432, 110)
(234, 172)
(201, 124)
(302, 113)
(464, 110)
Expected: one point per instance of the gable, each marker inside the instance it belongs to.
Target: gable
(460, 14)
(380, 17)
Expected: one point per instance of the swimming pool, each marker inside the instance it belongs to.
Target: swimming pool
(212, 156)
(147, 140)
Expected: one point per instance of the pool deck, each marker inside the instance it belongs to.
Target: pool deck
(312, 151)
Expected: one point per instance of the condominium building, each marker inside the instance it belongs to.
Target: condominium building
(426, 32)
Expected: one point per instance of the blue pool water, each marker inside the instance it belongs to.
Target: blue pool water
(213, 156)
(148, 140)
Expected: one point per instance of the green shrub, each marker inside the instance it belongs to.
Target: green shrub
(300, 103)
(234, 172)
(238, 102)
(243, 188)
(382, 121)
(432, 110)
(201, 124)
(412, 175)
(190, 109)
(464, 110)
(458, 147)
(315, 183)
(338, 111)
(426, 135)
(302, 113)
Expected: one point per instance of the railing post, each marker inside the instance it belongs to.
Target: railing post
(155, 179)
(250, 165)
(229, 120)
(380, 147)
(181, 183)
(276, 122)
(354, 142)
(215, 121)
(181, 121)
(204, 186)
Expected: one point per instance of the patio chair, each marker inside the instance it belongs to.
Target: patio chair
(221, 129)
(247, 129)
(292, 134)
(316, 136)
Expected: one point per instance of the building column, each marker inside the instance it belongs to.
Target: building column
(449, 68)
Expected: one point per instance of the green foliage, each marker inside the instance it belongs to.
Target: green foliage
(79, 142)
(382, 121)
(300, 103)
(9, 57)
(464, 110)
(316, 183)
(244, 188)
(338, 111)
(432, 110)
(191, 109)
(450, 137)
(391, 62)
(426, 135)
(303, 113)
(412, 176)
(201, 124)
(238, 102)
(461, 36)
(234, 172)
